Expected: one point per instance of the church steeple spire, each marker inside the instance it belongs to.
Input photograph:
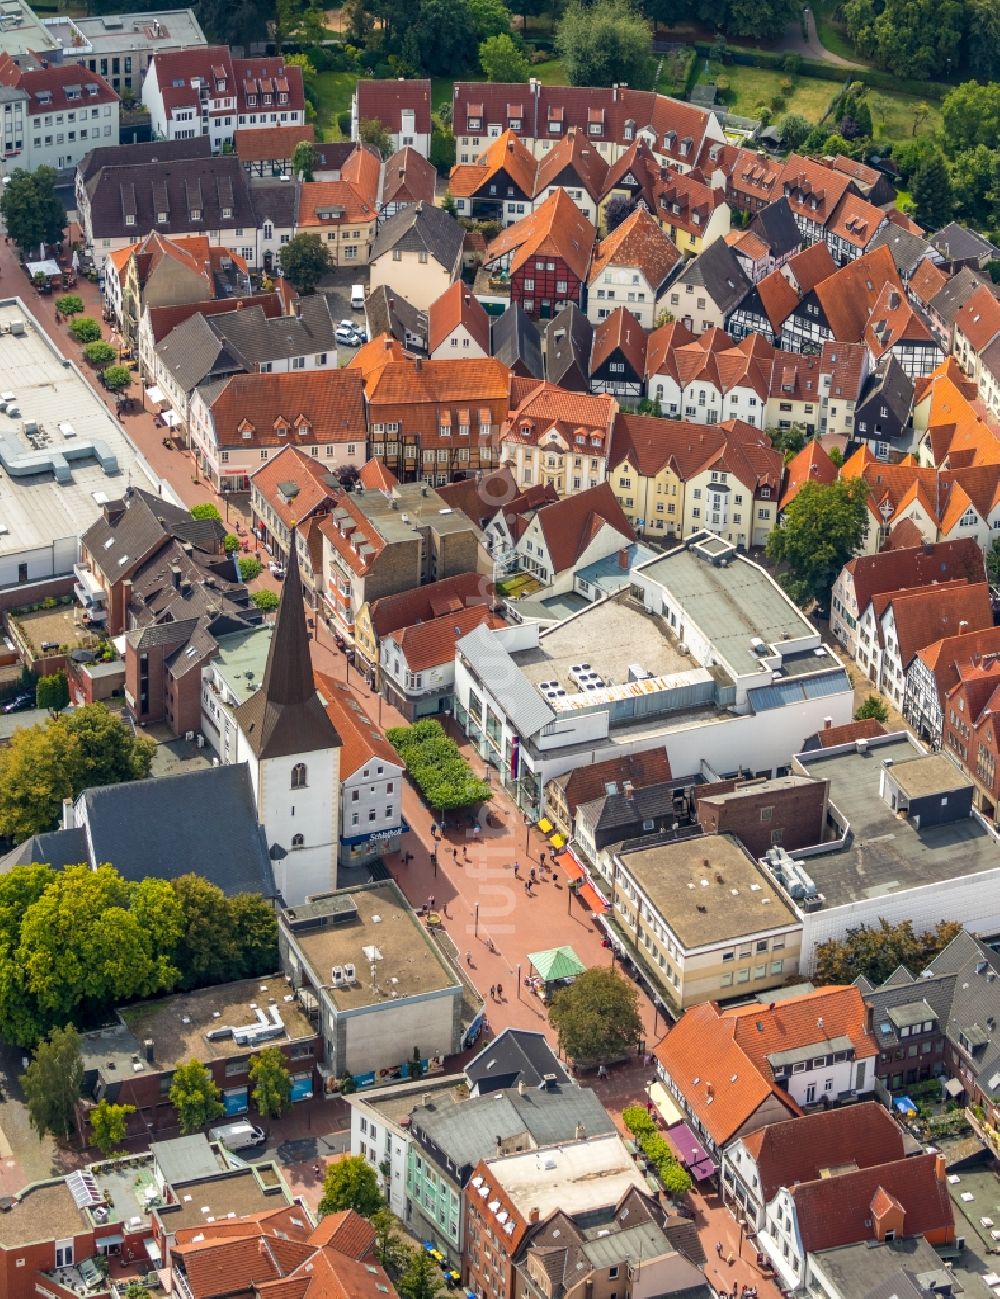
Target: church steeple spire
(286, 716)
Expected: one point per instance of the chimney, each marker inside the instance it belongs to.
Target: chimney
(188, 549)
(113, 510)
(68, 815)
(387, 342)
(581, 1132)
(827, 723)
(418, 365)
(533, 1214)
(521, 1089)
(175, 577)
(623, 560)
(148, 1048)
(940, 1167)
(963, 626)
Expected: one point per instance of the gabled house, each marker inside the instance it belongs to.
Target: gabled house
(937, 669)
(38, 90)
(690, 211)
(629, 181)
(546, 256)
(977, 326)
(709, 289)
(388, 313)
(959, 247)
(344, 212)
(285, 493)
(852, 227)
(268, 151)
(568, 342)
(499, 185)
(575, 165)
(971, 728)
(898, 329)
(561, 439)
(403, 107)
(632, 267)
(517, 344)
(417, 662)
(500, 510)
(882, 417)
(407, 178)
(457, 325)
(912, 254)
(618, 359)
(753, 181)
(417, 253)
(709, 379)
(813, 192)
(570, 534)
(946, 302)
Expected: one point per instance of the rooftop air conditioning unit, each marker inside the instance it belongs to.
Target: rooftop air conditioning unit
(189, 736)
(350, 973)
(337, 976)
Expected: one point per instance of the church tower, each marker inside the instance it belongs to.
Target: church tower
(293, 752)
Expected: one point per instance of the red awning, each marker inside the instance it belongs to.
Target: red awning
(569, 866)
(593, 899)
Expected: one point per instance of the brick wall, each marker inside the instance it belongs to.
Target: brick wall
(792, 817)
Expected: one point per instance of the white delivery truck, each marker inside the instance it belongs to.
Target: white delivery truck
(237, 1136)
(358, 297)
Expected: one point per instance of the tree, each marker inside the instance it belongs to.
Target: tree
(85, 329)
(436, 766)
(442, 154)
(877, 953)
(762, 20)
(206, 510)
(266, 601)
(913, 38)
(195, 1096)
(99, 354)
(389, 1248)
(305, 259)
(52, 692)
(489, 18)
(207, 951)
(52, 1083)
(449, 205)
(59, 759)
(230, 543)
(440, 37)
(253, 919)
(932, 192)
(975, 178)
(597, 1017)
(970, 115)
(70, 304)
(604, 43)
(502, 60)
(373, 132)
(351, 1183)
(421, 1277)
(303, 160)
(108, 1126)
(619, 209)
(250, 567)
(822, 528)
(271, 1081)
(116, 378)
(993, 563)
(793, 129)
(872, 707)
(31, 210)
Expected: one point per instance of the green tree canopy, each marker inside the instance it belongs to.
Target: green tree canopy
(389, 1247)
(993, 563)
(606, 42)
(933, 195)
(822, 528)
(266, 601)
(52, 691)
(116, 378)
(440, 37)
(877, 952)
(914, 38)
(271, 1082)
(597, 1016)
(489, 18)
(351, 1183)
(305, 259)
(70, 304)
(195, 1096)
(205, 510)
(85, 329)
(108, 1126)
(32, 212)
(421, 1277)
(304, 160)
(99, 354)
(793, 129)
(373, 132)
(52, 1083)
(59, 759)
(872, 707)
(975, 180)
(502, 60)
(970, 115)
(437, 767)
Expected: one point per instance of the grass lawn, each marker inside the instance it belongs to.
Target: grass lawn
(892, 115)
(831, 31)
(751, 87)
(334, 90)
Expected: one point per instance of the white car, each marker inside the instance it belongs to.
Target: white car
(346, 335)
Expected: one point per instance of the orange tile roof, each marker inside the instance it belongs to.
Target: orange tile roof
(360, 741)
(457, 306)
(979, 318)
(638, 242)
(358, 531)
(570, 525)
(811, 465)
(933, 613)
(927, 280)
(279, 408)
(309, 476)
(434, 600)
(573, 153)
(372, 358)
(893, 321)
(119, 257)
(855, 220)
(547, 406)
(756, 174)
(557, 228)
(828, 1012)
(868, 728)
(651, 445)
(353, 198)
(945, 658)
(778, 297)
(377, 476)
(811, 266)
(849, 295)
(663, 341)
(620, 332)
(446, 381)
(813, 190)
(429, 644)
(408, 177)
(506, 153)
(263, 144)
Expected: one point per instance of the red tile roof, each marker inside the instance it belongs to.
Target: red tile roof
(270, 143)
(915, 566)
(268, 76)
(352, 198)
(360, 741)
(945, 657)
(810, 266)
(894, 321)
(307, 476)
(839, 1210)
(506, 154)
(756, 175)
(556, 229)
(930, 614)
(855, 221)
(640, 770)
(811, 465)
(825, 1013)
(979, 318)
(445, 381)
(778, 297)
(572, 162)
(866, 729)
(377, 476)
(386, 100)
(408, 177)
(457, 306)
(570, 525)
(849, 295)
(639, 243)
(814, 1145)
(279, 408)
(430, 644)
(620, 332)
(927, 280)
(572, 414)
(813, 190)
(57, 86)
(163, 319)
(435, 600)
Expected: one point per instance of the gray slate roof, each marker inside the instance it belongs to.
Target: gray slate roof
(58, 849)
(515, 340)
(422, 228)
(569, 339)
(527, 710)
(217, 182)
(142, 527)
(251, 337)
(908, 250)
(193, 351)
(952, 297)
(467, 1131)
(390, 313)
(199, 821)
(958, 243)
(717, 270)
(142, 155)
(775, 224)
(516, 1055)
(891, 386)
(276, 201)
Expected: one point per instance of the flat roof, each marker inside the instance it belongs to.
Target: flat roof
(45, 1211)
(732, 604)
(27, 35)
(611, 636)
(159, 29)
(975, 1193)
(35, 508)
(241, 652)
(885, 853)
(934, 774)
(409, 509)
(178, 1026)
(229, 1195)
(708, 890)
(577, 1178)
(372, 925)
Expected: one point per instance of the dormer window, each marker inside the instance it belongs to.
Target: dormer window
(515, 124)
(129, 219)
(161, 218)
(227, 212)
(281, 426)
(252, 101)
(246, 429)
(220, 87)
(196, 214)
(282, 99)
(268, 99)
(594, 128)
(475, 123)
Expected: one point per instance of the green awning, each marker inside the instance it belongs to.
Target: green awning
(557, 963)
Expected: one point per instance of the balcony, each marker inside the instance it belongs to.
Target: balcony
(88, 590)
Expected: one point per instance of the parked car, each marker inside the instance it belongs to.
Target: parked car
(277, 570)
(346, 334)
(19, 703)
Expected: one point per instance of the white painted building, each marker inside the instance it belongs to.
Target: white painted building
(52, 114)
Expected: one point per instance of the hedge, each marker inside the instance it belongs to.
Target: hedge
(435, 764)
(675, 1178)
(870, 77)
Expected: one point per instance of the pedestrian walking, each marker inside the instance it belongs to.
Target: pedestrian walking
(532, 875)
(475, 831)
(430, 902)
(465, 851)
(454, 852)
(434, 858)
(499, 993)
(541, 859)
(517, 870)
(493, 991)
(434, 829)
(468, 960)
